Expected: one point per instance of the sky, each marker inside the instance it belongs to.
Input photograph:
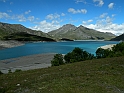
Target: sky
(48, 15)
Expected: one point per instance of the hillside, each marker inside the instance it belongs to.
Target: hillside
(8, 29)
(24, 36)
(118, 38)
(80, 33)
(91, 76)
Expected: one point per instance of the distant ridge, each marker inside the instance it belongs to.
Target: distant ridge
(66, 32)
(119, 38)
(72, 32)
(9, 29)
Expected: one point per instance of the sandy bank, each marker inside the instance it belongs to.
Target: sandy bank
(10, 44)
(26, 62)
(108, 46)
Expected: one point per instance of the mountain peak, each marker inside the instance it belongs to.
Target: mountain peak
(72, 32)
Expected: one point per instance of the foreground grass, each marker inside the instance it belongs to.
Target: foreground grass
(92, 76)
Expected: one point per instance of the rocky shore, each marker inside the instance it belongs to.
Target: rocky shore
(26, 62)
(10, 44)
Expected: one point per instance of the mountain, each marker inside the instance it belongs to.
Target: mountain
(72, 32)
(24, 36)
(6, 30)
(118, 38)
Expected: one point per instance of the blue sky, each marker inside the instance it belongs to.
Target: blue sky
(47, 15)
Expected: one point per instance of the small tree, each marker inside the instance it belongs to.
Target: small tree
(1, 73)
(77, 55)
(57, 60)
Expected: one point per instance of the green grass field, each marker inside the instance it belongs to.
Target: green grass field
(91, 76)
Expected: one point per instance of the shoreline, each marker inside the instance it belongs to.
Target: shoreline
(107, 46)
(9, 44)
(26, 62)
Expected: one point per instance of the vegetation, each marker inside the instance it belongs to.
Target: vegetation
(57, 60)
(1, 73)
(23, 36)
(2, 34)
(77, 55)
(119, 38)
(90, 76)
(117, 50)
(104, 75)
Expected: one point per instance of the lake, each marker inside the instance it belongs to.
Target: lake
(52, 47)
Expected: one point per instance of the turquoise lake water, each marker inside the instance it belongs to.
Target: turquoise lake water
(52, 47)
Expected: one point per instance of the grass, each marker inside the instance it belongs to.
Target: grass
(91, 76)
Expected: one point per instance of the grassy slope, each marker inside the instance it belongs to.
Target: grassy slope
(93, 76)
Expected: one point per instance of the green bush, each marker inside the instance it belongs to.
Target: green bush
(9, 71)
(57, 60)
(18, 70)
(116, 51)
(77, 55)
(1, 73)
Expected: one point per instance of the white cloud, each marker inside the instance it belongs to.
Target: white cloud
(3, 1)
(31, 18)
(106, 25)
(87, 22)
(46, 26)
(9, 11)
(100, 2)
(80, 1)
(103, 15)
(4, 15)
(27, 12)
(62, 14)
(20, 18)
(111, 5)
(52, 16)
(72, 10)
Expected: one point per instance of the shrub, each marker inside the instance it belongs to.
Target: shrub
(117, 50)
(57, 60)
(9, 71)
(18, 70)
(77, 55)
(1, 73)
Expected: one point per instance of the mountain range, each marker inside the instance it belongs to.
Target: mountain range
(66, 32)
(72, 32)
(15, 32)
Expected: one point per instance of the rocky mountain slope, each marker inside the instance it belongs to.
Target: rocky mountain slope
(7, 29)
(80, 33)
(118, 38)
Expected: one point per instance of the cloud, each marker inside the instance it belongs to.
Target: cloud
(87, 22)
(111, 5)
(46, 26)
(3, 1)
(106, 25)
(52, 16)
(62, 14)
(100, 2)
(103, 15)
(9, 11)
(4, 15)
(72, 10)
(27, 12)
(31, 18)
(80, 1)
(18, 17)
